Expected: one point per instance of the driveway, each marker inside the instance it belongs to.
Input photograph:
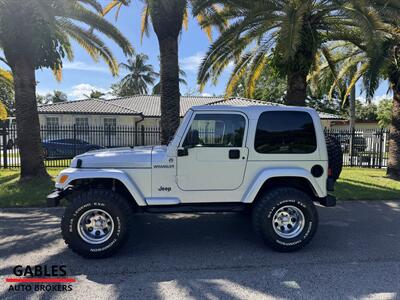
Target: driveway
(355, 255)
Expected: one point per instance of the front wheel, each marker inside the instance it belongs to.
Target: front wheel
(95, 224)
(285, 218)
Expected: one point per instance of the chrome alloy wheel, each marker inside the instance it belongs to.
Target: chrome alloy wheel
(95, 226)
(288, 221)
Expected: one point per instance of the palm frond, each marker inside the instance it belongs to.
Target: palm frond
(79, 13)
(237, 74)
(255, 70)
(185, 22)
(360, 72)
(91, 43)
(94, 4)
(6, 77)
(144, 29)
(290, 33)
(111, 5)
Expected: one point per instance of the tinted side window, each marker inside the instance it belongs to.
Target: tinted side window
(216, 130)
(285, 132)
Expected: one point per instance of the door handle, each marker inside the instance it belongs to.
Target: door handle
(234, 154)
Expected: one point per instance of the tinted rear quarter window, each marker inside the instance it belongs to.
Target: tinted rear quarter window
(280, 132)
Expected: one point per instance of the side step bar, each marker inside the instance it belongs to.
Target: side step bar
(188, 208)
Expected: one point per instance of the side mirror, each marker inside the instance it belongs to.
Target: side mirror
(183, 152)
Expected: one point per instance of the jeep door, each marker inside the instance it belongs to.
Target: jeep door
(212, 155)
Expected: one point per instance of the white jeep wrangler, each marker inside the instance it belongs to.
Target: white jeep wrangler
(271, 161)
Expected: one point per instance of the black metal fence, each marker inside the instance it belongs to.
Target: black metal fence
(361, 148)
(61, 143)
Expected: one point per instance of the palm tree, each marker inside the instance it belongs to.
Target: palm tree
(55, 97)
(182, 80)
(373, 63)
(37, 34)
(167, 18)
(386, 65)
(288, 34)
(95, 94)
(140, 75)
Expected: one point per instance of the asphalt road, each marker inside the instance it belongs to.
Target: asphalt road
(354, 255)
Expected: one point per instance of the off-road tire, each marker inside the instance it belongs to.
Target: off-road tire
(266, 207)
(114, 204)
(335, 156)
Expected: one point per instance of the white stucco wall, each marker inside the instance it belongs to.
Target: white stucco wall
(358, 126)
(94, 120)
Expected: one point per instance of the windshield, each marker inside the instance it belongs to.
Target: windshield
(184, 121)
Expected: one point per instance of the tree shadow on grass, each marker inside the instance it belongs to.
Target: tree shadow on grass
(349, 189)
(32, 193)
(7, 178)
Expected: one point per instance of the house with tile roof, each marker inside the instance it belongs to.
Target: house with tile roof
(133, 111)
(94, 120)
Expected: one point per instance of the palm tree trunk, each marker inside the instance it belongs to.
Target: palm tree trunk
(352, 108)
(393, 169)
(170, 95)
(28, 130)
(296, 88)
(167, 17)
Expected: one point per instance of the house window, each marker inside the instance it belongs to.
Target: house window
(52, 130)
(110, 126)
(82, 126)
(52, 122)
(82, 122)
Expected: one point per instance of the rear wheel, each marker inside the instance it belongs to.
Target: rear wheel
(285, 218)
(95, 224)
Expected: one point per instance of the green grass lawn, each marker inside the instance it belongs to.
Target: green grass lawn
(366, 184)
(13, 193)
(354, 184)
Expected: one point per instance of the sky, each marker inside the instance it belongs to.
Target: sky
(83, 74)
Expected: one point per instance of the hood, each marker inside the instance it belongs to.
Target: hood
(122, 158)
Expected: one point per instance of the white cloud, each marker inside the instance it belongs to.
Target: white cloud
(43, 92)
(375, 99)
(192, 63)
(206, 95)
(80, 91)
(83, 66)
(379, 98)
(230, 66)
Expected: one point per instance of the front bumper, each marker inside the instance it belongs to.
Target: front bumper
(55, 197)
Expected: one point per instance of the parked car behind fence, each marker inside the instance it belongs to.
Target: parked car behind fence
(66, 148)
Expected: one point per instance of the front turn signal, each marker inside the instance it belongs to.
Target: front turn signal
(63, 178)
